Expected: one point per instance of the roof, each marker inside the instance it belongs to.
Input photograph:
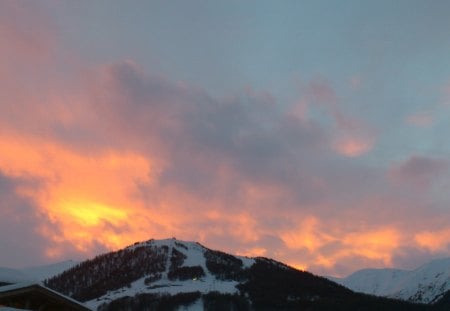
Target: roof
(38, 292)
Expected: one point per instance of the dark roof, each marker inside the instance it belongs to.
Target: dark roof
(38, 295)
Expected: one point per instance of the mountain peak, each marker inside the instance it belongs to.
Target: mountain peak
(168, 272)
(425, 284)
(168, 265)
(170, 242)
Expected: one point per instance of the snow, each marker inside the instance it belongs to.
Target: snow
(194, 253)
(381, 282)
(165, 286)
(47, 271)
(8, 275)
(194, 257)
(11, 287)
(247, 262)
(424, 284)
(34, 274)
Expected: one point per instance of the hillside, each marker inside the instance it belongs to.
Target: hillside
(168, 274)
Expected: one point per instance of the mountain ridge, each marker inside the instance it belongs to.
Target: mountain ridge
(170, 273)
(34, 273)
(425, 284)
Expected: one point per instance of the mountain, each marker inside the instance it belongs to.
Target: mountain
(426, 284)
(176, 275)
(41, 273)
(34, 274)
(9, 276)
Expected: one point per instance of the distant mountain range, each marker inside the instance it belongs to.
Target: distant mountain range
(177, 275)
(31, 274)
(426, 284)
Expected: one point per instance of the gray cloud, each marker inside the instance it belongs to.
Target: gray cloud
(419, 171)
(19, 223)
(242, 155)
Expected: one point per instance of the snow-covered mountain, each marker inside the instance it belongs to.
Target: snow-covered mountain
(34, 274)
(184, 271)
(177, 275)
(425, 284)
(8, 275)
(157, 267)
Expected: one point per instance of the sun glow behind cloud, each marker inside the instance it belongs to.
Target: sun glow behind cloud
(105, 153)
(84, 196)
(434, 240)
(118, 192)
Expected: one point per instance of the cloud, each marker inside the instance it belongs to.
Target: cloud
(321, 92)
(26, 30)
(27, 37)
(306, 236)
(82, 194)
(131, 156)
(20, 222)
(352, 137)
(418, 171)
(326, 247)
(353, 145)
(101, 156)
(434, 240)
(126, 158)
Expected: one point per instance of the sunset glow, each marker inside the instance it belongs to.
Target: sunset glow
(320, 146)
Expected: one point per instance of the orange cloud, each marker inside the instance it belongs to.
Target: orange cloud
(327, 245)
(376, 245)
(93, 198)
(434, 241)
(253, 252)
(307, 235)
(353, 146)
(211, 169)
(82, 194)
(240, 225)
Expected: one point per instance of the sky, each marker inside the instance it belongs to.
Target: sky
(311, 132)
